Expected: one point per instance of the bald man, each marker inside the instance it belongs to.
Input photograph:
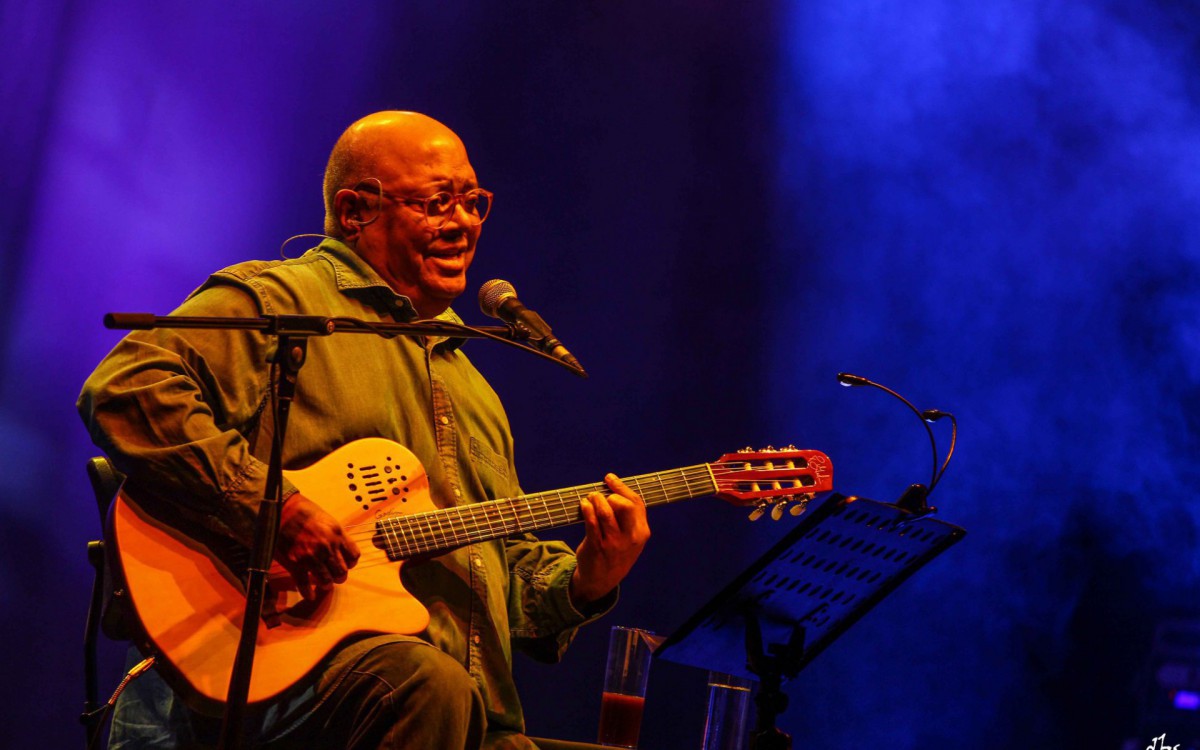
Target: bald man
(182, 414)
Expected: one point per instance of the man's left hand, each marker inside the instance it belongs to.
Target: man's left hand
(616, 532)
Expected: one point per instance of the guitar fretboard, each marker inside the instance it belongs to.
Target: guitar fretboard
(439, 531)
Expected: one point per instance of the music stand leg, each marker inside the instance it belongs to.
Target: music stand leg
(771, 665)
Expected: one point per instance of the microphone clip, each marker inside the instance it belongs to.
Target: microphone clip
(914, 500)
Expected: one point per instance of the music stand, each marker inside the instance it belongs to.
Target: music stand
(845, 555)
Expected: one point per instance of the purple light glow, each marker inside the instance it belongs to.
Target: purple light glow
(1186, 700)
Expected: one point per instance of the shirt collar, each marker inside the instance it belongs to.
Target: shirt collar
(353, 276)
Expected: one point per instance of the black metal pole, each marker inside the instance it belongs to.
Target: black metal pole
(289, 358)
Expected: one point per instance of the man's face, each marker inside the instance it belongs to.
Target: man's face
(426, 264)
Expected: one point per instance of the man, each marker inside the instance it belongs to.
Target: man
(183, 416)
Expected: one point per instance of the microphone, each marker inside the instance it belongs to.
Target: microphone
(498, 299)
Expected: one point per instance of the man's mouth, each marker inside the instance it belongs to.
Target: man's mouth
(447, 249)
(449, 261)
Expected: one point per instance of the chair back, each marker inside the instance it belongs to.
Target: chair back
(106, 482)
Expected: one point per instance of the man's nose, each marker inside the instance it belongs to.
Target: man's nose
(460, 216)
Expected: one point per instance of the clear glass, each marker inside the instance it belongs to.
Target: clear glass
(728, 724)
(625, 678)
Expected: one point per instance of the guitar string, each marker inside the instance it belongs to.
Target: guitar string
(475, 518)
(568, 512)
(556, 506)
(486, 515)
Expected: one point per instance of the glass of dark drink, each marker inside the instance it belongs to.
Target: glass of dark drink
(629, 651)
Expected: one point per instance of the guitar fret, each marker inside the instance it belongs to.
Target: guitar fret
(430, 533)
(464, 538)
(665, 495)
(424, 531)
(476, 522)
(576, 514)
(387, 528)
(516, 519)
(410, 539)
(407, 535)
(446, 525)
(469, 517)
(449, 518)
(517, 515)
(562, 505)
(528, 515)
(502, 524)
(531, 522)
(484, 523)
(480, 524)
(637, 486)
(711, 477)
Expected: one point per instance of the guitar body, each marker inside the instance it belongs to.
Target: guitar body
(189, 601)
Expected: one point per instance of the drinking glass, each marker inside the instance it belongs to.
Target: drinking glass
(624, 696)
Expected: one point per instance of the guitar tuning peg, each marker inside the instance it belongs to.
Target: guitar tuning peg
(747, 449)
(759, 509)
(770, 449)
(777, 511)
(791, 447)
(799, 506)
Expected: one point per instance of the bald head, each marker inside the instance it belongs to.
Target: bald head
(381, 174)
(376, 142)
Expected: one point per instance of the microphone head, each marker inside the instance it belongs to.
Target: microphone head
(492, 293)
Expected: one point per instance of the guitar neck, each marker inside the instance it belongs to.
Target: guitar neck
(435, 532)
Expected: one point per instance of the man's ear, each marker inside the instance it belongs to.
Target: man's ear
(347, 209)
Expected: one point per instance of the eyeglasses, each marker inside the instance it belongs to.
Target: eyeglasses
(439, 207)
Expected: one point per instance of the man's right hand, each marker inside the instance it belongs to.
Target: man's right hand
(313, 547)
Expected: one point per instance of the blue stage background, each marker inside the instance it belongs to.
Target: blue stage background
(992, 208)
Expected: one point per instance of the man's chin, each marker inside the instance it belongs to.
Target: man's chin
(442, 294)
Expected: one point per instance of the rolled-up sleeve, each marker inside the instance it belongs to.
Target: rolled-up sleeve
(542, 618)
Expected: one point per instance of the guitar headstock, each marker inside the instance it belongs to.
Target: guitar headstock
(772, 478)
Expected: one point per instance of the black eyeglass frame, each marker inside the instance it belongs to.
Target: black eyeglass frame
(446, 199)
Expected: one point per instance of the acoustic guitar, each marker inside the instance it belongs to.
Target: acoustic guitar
(187, 598)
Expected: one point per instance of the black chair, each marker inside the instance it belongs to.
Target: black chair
(105, 612)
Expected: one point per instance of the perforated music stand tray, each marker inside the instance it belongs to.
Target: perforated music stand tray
(845, 555)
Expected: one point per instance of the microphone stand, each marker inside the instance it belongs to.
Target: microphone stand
(292, 333)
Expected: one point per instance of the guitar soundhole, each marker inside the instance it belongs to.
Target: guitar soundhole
(372, 483)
